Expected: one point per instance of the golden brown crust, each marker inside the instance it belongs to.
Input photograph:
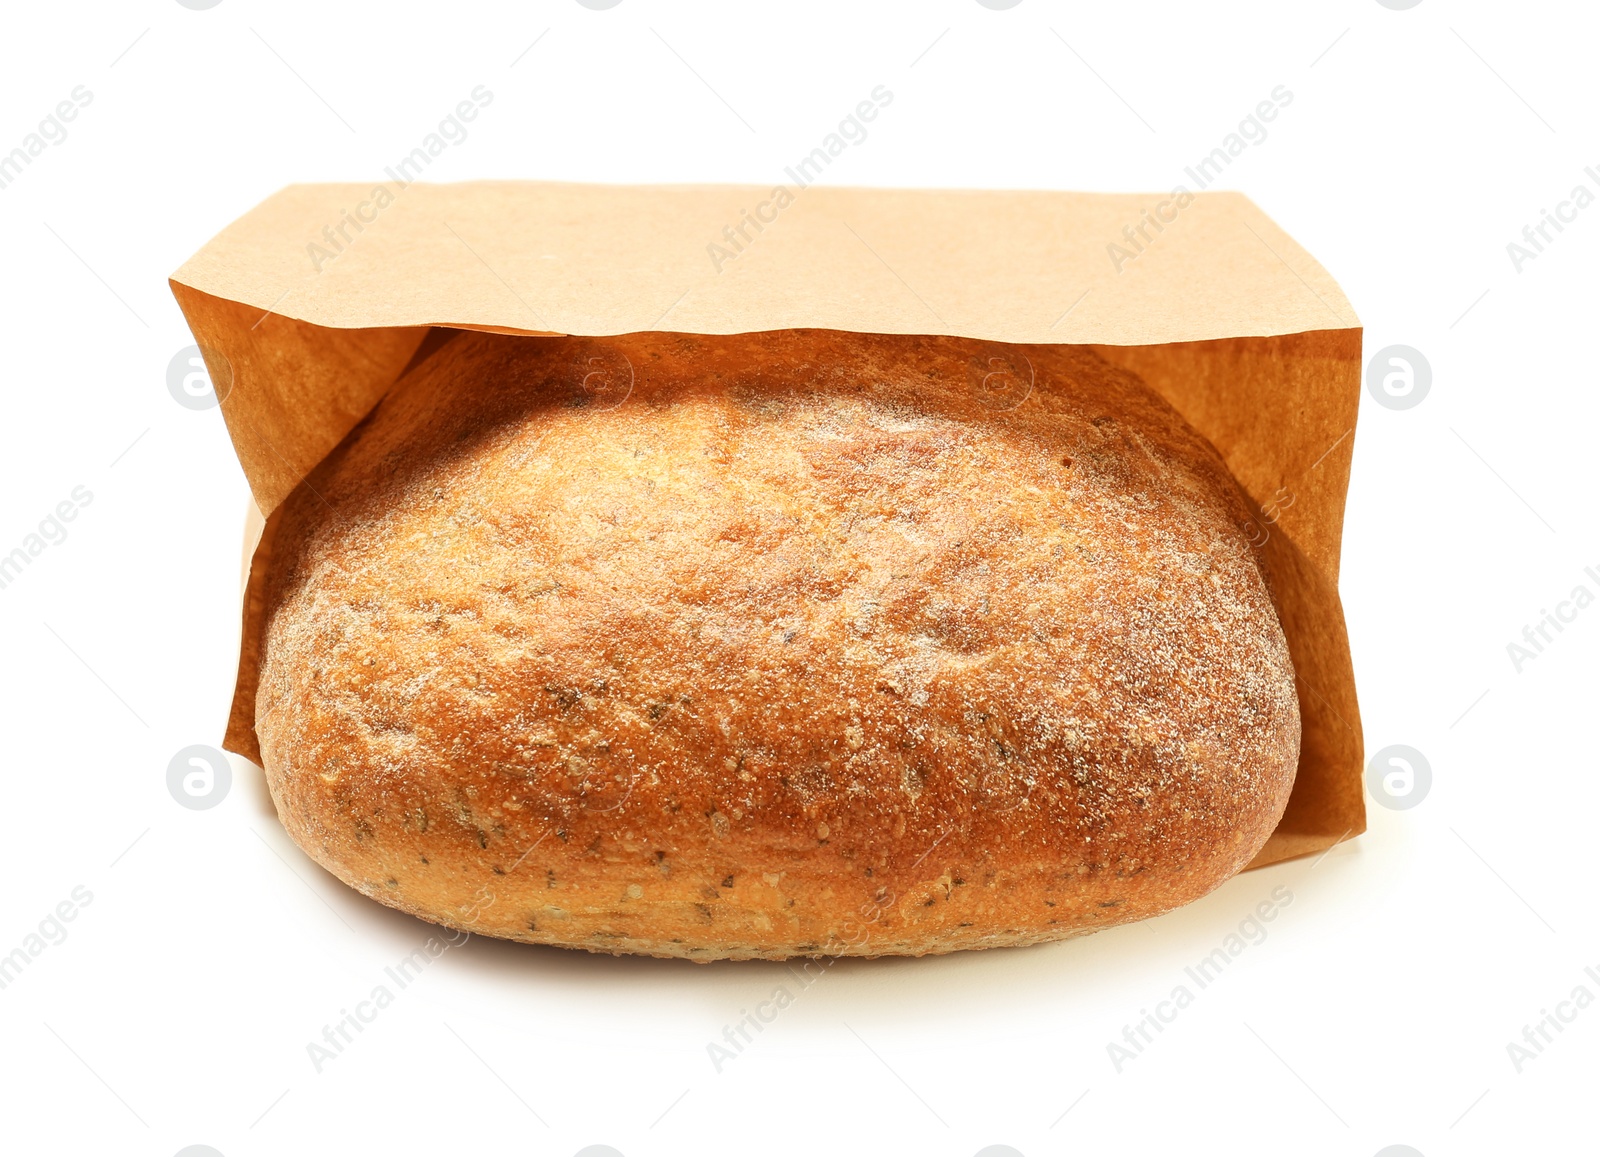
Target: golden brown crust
(774, 644)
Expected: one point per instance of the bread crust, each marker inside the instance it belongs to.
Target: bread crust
(771, 645)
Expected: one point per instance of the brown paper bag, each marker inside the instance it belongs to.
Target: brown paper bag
(313, 304)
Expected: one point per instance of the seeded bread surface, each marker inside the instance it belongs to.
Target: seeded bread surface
(772, 645)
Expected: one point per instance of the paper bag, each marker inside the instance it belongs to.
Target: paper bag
(308, 308)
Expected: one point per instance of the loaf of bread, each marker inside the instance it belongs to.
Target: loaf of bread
(777, 644)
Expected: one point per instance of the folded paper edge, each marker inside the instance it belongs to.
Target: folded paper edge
(201, 275)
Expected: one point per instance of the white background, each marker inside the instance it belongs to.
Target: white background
(1379, 1009)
